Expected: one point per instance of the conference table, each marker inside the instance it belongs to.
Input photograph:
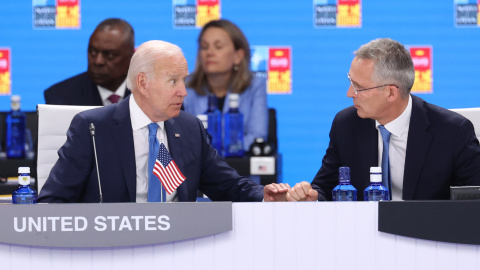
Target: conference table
(303, 235)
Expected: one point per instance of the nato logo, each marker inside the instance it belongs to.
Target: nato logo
(466, 12)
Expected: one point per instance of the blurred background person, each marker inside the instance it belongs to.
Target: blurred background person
(110, 49)
(223, 68)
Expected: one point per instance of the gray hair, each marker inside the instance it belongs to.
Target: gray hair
(393, 63)
(148, 57)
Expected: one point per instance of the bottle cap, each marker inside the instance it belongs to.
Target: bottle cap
(15, 102)
(23, 169)
(15, 98)
(344, 173)
(375, 174)
(204, 119)
(344, 170)
(233, 100)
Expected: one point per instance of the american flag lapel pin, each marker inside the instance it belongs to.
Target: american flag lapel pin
(177, 135)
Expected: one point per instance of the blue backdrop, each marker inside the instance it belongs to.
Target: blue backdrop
(321, 56)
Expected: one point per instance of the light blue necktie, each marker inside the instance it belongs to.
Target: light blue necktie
(386, 179)
(155, 191)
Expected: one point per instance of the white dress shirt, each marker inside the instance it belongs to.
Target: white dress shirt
(105, 93)
(397, 150)
(140, 124)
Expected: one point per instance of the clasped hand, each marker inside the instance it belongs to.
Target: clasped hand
(280, 192)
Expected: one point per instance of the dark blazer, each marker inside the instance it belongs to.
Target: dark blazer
(442, 151)
(74, 178)
(79, 90)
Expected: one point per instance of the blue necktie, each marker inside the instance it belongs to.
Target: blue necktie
(155, 191)
(386, 180)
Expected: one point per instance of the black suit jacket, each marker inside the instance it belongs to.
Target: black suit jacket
(442, 151)
(74, 178)
(77, 90)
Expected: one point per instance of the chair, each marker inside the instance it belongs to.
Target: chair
(53, 123)
(472, 114)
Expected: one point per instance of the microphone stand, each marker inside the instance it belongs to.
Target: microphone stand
(92, 132)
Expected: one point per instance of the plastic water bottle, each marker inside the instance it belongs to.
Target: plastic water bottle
(24, 193)
(204, 119)
(15, 137)
(344, 191)
(233, 130)
(214, 123)
(376, 191)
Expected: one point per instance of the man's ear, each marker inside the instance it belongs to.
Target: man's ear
(393, 93)
(142, 82)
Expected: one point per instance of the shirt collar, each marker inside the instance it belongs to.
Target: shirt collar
(105, 93)
(398, 126)
(139, 118)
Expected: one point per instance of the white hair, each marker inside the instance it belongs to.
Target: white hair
(147, 56)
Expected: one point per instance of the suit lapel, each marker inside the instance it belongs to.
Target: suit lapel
(91, 94)
(123, 139)
(175, 147)
(127, 93)
(418, 144)
(367, 148)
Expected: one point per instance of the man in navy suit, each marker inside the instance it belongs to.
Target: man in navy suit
(110, 49)
(430, 148)
(156, 76)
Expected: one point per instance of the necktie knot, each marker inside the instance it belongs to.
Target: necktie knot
(385, 133)
(152, 130)
(114, 98)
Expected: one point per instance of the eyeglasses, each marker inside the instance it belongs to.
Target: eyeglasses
(359, 90)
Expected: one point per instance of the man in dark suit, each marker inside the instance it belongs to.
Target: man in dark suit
(123, 137)
(110, 49)
(430, 148)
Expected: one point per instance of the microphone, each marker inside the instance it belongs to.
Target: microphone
(92, 132)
